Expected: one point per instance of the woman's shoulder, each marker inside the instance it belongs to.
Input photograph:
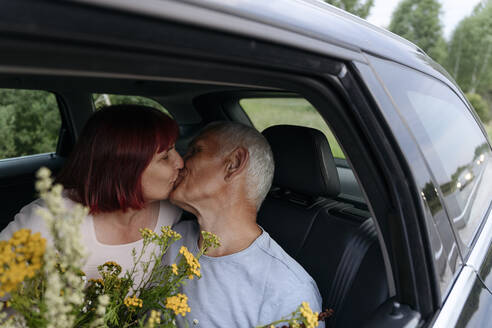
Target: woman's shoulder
(27, 218)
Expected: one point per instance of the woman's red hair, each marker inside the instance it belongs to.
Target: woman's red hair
(118, 142)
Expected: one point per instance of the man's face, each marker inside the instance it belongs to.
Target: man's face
(202, 176)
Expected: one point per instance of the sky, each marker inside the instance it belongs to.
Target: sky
(452, 12)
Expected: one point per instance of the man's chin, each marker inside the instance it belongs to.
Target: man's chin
(176, 195)
(177, 199)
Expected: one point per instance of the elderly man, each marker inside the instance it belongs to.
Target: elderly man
(249, 280)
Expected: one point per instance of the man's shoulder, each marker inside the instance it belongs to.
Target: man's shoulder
(288, 285)
(283, 265)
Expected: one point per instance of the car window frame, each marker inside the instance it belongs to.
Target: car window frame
(62, 130)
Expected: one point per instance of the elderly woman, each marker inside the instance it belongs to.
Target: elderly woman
(122, 168)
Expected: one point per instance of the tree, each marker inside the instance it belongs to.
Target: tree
(419, 22)
(29, 122)
(356, 7)
(470, 51)
(480, 106)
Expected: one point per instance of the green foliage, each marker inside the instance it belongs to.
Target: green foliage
(419, 22)
(356, 7)
(29, 122)
(480, 106)
(470, 51)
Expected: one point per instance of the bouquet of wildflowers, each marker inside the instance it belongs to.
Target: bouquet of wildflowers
(45, 286)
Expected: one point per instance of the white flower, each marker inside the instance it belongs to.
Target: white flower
(64, 291)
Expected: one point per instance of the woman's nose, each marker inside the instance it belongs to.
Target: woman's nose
(178, 162)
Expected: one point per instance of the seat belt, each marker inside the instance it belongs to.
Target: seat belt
(347, 270)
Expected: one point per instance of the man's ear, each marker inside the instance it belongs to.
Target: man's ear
(236, 163)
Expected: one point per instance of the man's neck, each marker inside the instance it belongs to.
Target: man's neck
(236, 229)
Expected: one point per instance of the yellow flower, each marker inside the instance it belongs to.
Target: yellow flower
(147, 233)
(168, 232)
(175, 268)
(20, 258)
(109, 268)
(210, 240)
(155, 318)
(193, 267)
(178, 303)
(310, 318)
(133, 302)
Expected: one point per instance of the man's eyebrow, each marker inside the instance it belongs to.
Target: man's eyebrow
(193, 143)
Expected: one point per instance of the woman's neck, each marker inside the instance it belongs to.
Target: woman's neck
(120, 227)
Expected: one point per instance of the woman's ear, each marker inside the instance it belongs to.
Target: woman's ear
(236, 163)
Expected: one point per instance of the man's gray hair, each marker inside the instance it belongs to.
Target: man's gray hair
(260, 167)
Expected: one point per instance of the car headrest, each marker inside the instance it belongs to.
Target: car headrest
(303, 160)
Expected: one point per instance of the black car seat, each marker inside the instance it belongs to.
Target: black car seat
(335, 242)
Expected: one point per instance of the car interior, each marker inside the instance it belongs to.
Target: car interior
(315, 209)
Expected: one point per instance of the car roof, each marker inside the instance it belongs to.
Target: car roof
(305, 24)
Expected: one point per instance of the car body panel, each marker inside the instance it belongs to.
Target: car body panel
(310, 25)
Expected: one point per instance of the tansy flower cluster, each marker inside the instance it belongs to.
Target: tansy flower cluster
(148, 234)
(109, 268)
(193, 267)
(210, 240)
(133, 302)
(154, 319)
(174, 267)
(20, 258)
(310, 318)
(168, 232)
(179, 304)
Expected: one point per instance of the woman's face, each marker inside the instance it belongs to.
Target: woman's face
(159, 176)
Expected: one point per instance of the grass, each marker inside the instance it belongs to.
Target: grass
(274, 111)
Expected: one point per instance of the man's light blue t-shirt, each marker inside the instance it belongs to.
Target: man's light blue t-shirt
(255, 286)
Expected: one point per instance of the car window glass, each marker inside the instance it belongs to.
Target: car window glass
(450, 139)
(104, 99)
(29, 122)
(266, 112)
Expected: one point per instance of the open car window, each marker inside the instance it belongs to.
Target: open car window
(29, 122)
(266, 112)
